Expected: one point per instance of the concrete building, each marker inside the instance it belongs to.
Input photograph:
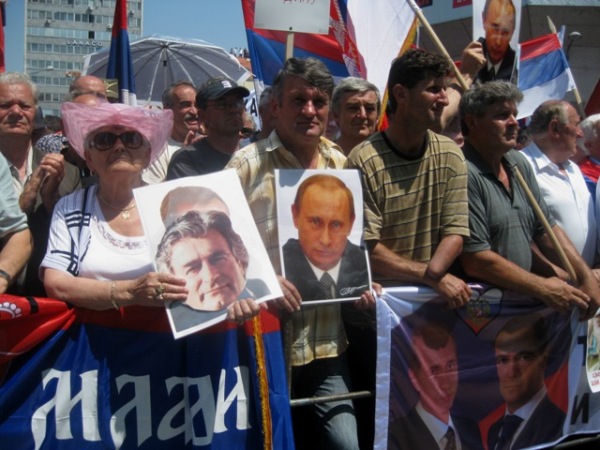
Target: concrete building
(59, 33)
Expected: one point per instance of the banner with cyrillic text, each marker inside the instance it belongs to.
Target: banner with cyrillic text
(78, 379)
(503, 371)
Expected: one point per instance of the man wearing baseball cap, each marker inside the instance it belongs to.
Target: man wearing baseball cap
(220, 104)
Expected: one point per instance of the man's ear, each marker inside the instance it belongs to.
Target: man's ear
(553, 128)
(470, 121)
(399, 92)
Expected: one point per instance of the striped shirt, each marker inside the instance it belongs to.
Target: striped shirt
(412, 203)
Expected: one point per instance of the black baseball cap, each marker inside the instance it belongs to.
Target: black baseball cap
(216, 88)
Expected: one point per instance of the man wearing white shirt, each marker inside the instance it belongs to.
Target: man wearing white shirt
(180, 98)
(521, 348)
(554, 131)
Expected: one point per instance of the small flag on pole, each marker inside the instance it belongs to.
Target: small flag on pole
(544, 73)
(2, 25)
(120, 66)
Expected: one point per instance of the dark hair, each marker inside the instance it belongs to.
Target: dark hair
(413, 66)
(478, 98)
(434, 336)
(196, 224)
(168, 100)
(534, 324)
(328, 182)
(311, 70)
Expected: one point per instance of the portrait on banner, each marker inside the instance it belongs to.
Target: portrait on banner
(497, 380)
(201, 230)
(320, 216)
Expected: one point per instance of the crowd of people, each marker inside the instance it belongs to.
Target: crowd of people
(435, 214)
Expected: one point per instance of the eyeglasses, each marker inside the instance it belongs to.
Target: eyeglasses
(106, 140)
(223, 105)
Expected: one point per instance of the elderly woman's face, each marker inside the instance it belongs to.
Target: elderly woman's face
(117, 149)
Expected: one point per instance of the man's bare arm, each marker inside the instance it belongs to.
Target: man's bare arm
(492, 268)
(15, 253)
(391, 265)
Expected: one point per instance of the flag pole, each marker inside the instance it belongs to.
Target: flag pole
(536, 208)
(438, 43)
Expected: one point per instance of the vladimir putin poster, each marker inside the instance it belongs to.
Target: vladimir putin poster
(320, 216)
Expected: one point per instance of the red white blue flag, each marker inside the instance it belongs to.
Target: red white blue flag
(120, 66)
(74, 379)
(544, 73)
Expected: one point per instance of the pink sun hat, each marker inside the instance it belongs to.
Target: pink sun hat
(80, 121)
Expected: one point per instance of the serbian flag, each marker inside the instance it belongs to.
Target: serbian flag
(544, 73)
(120, 66)
(267, 48)
(2, 25)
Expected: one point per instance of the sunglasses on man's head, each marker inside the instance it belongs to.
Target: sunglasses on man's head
(106, 140)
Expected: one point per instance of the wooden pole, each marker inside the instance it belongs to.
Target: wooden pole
(438, 43)
(289, 45)
(542, 218)
(536, 208)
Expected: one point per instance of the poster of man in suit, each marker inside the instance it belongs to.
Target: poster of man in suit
(320, 233)
(496, 25)
(200, 229)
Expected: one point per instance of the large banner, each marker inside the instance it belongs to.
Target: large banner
(75, 379)
(502, 371)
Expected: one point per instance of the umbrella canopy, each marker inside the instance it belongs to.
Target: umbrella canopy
(160, 61)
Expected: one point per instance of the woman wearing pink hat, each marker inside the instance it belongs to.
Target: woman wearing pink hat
(97, 256)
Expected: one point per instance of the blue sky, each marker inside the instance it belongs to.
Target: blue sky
(220, 22)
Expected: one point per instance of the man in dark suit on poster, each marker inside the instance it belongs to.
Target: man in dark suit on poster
(530, 418)
(499, 19)
(322, 263)
(433, 372)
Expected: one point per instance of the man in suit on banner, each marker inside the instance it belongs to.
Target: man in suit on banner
(323, 213)
(530, 418)
(433, 371)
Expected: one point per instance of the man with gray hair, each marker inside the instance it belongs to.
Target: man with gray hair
(554, 131)
(590, 143)
(502, 221)
(38, 179)
(355, 106)
(301, 94)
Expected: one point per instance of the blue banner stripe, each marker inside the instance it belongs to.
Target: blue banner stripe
(540, 70)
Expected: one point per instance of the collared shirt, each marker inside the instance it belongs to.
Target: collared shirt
(12, 218)
(334, 272)
(436, 427)
(526, 411)
(18, 184)
(157, 171)
(317, 331)
(568, 199)
(500, 220)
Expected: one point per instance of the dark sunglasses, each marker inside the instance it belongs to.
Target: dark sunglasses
(106, 140)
